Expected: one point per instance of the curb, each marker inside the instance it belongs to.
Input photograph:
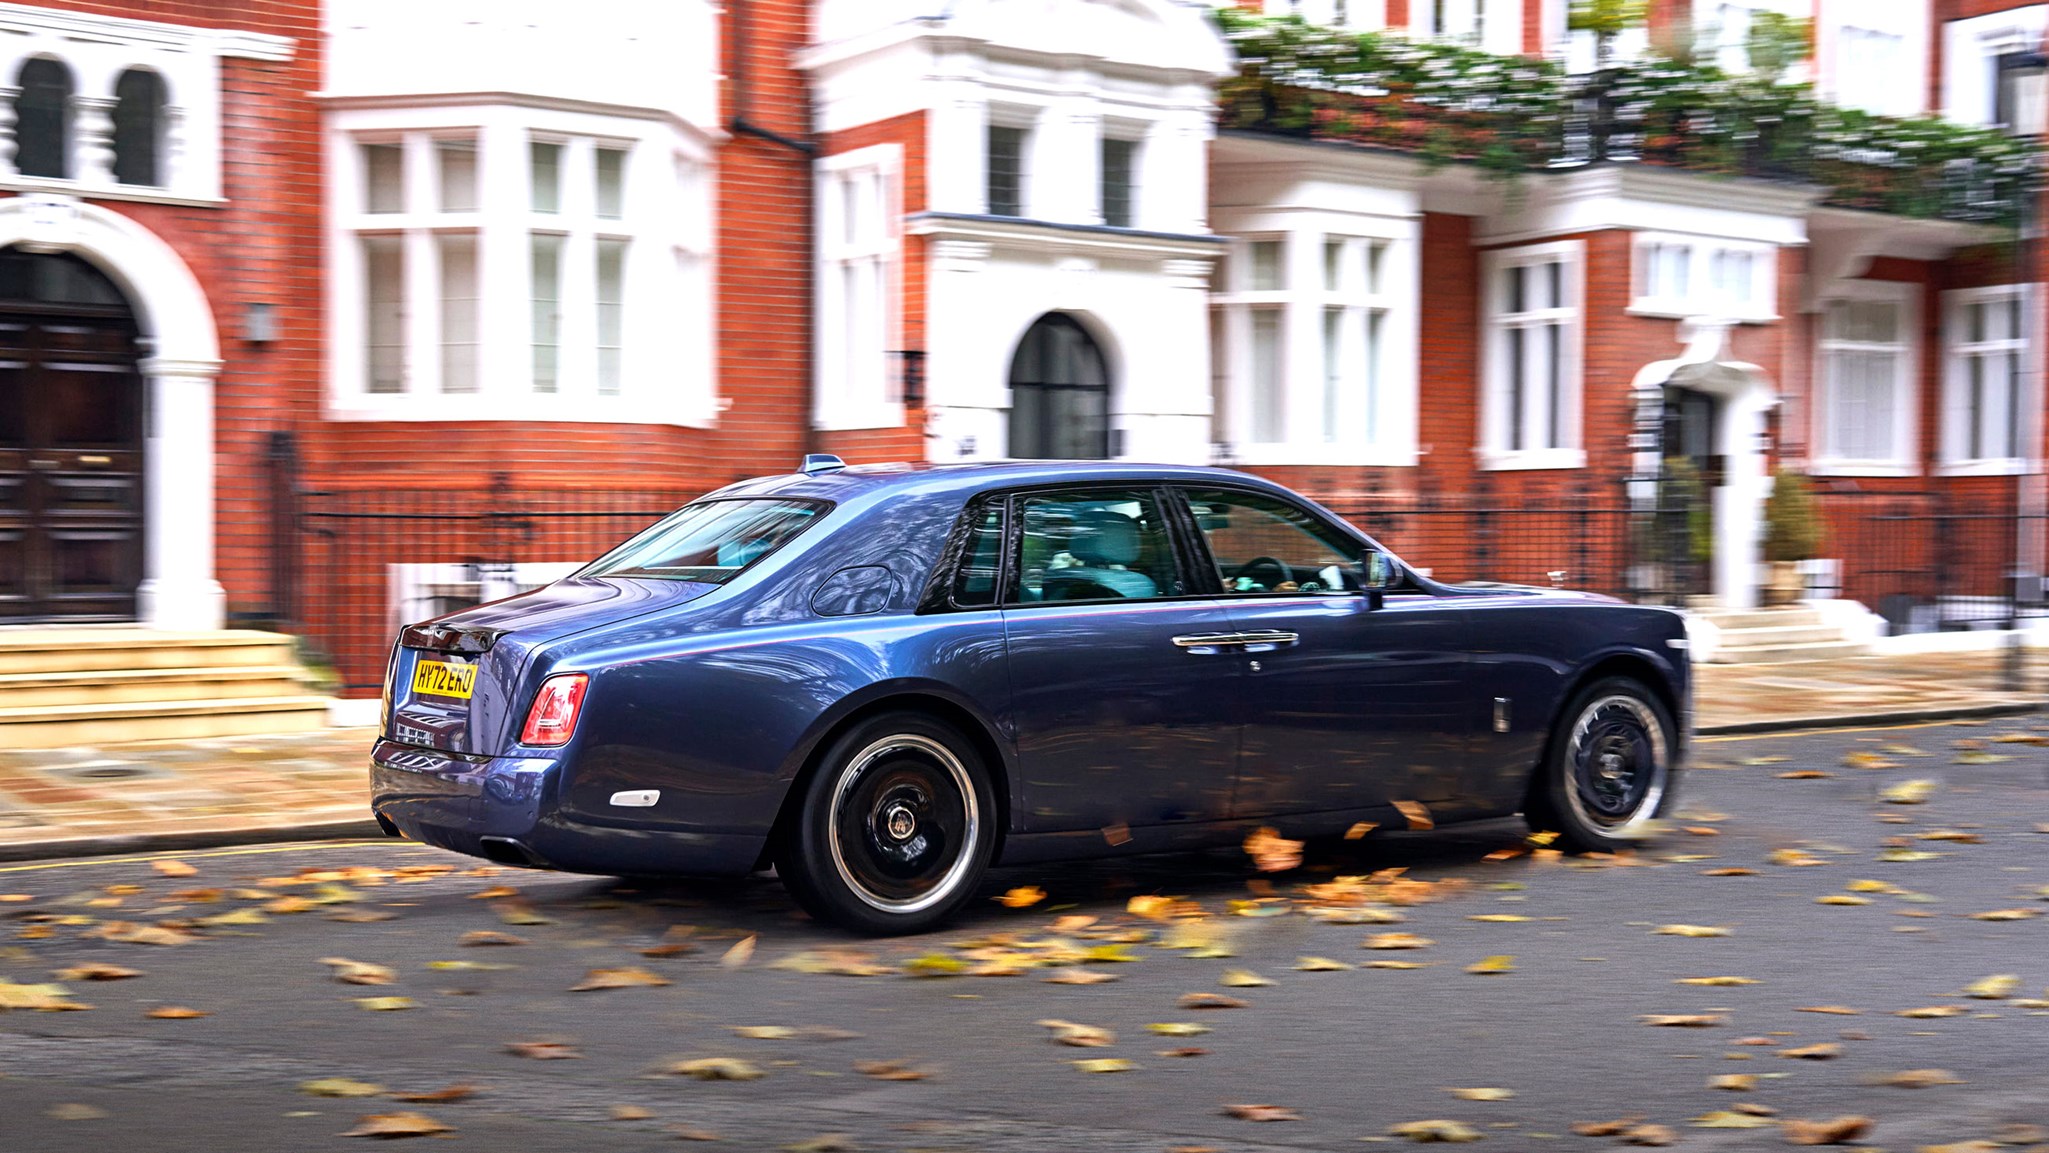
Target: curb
(353, 829)
(1860, 720)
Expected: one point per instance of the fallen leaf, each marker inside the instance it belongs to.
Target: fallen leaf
(935, 965)
(398, 1125)
(1427, 1132)
(1159, 908)
(890, 1071)
(1079, 1035)
(1319, 965)
(176, 1013)
(1489, 966)
(1690, 931)
(1933, 1011)
(75, 1112)
(359, 972)
(1023, 897)
(1360, 829)
(1981, 758)
(1794, 858)
(1649, 1135)
(1822, 1052)
(1837, 1131)
(173, 868)
(1838, 1010)
(384, 1004)
(339, 1087)
(543, 1050)
(133, 934)
(1805, 775)
(1177, 1029)
(1735, 872)
(1210, 1001)
(515, 913)
(1397, 941)
(490, 937)
(685, 1133)
(1996, 988)
(1481, 1094)
(1735, 1082)
(1399, 964)
(1188, 1051)
(1730, 1119)
(446, 1095)
(1842, 899)
(630, 1113)
(1963, 1147)
(717, 1069)
(1499, 918)
(1079, 977)
(840, 962)
(1955, 836)
(1866, 759)
(1920, 1079)
(738, 955)
(1271, 852)
(1914, 792)
(1104, 1065)
(1606, 1128)
(1717, 982)
(1242, 979)
(1906, 856)
(47, 998)
(96, 971)
(1416, 813)
(1260, 1113)
(1684, 1020)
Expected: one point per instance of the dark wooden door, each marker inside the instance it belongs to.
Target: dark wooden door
(71, 427)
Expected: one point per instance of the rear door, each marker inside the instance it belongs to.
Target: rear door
(1346, 705)
(1124, 707)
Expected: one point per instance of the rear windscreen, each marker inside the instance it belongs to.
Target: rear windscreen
(710, 541)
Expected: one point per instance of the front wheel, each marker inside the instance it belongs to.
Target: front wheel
(895, 828)
(1609, 771)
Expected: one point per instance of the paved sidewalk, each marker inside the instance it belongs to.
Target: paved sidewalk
(181, 794)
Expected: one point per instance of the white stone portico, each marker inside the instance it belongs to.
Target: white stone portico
(178, 588)
(1065, 76)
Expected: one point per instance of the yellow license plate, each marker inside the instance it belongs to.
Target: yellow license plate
(444, 680)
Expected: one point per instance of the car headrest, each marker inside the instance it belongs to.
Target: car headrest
(1102, 537)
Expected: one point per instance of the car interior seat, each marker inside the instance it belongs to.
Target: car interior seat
(1105, 543)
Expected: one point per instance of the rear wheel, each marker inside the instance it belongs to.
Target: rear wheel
(894, 830)
(1609, 771)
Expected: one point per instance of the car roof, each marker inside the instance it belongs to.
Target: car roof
(967, 479)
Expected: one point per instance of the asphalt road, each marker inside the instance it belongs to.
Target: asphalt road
(1350, 1052)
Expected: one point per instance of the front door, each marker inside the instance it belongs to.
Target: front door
(1122, 715)
(71, 426)
(1347, 706)
(1059, 394)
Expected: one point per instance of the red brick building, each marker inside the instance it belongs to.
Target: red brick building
(338, 313)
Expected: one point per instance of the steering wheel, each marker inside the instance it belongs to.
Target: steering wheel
(1245, 571)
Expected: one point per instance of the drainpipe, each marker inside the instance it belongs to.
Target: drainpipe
(742, 124)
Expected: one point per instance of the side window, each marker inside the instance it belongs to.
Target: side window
(1266, 546)
(981, 563)
(1094, 545)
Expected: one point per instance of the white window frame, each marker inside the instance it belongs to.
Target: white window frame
(1731, 53)
(853, 371)
(1956, 459)
(666, 332)
(1490, 25)
(1970, 58)
(1699, 296)
(1355, 15)
(1495, 427)
(1906, 394)
(1373, 426)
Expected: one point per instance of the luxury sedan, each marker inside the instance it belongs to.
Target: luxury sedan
(883, 680)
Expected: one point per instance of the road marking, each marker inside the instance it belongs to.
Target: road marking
(253, 851)
(1826, 729)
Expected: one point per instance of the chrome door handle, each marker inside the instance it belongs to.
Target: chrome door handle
(1205, 644)
(1267, 640)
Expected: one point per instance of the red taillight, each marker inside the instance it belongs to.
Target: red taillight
(552, 720)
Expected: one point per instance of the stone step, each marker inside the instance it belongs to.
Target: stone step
(1790, 653)
(133, 686)
(62, 650)
(1791, 617)
(1777, 636)
(59, 726)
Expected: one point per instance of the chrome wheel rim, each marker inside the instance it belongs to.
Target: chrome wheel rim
(904, 823)
(1617, 765)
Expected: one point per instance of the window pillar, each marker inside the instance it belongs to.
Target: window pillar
(504, 269)
(171, 162)
(8, 95)
(92, 120)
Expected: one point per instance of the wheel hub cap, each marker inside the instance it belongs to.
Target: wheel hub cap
(899, 821)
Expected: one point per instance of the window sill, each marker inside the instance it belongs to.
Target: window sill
(1832, 467)
(864, 417)
(1511, 460)
(2003, 466)
(490, 408)
(134, 193)
(1671, 310)
(1323, 454)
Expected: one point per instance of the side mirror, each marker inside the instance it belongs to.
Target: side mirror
(1377, 571)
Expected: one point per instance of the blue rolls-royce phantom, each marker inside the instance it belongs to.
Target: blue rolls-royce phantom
(882, 680)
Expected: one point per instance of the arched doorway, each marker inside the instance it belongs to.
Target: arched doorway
(71, 442)
(1059, 393)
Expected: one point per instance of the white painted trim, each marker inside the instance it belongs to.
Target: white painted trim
(1699, 296)
(178, 589)
(129, 193)
(1969, 50)
(1609, 196)
(1530, 459)
(237, 43)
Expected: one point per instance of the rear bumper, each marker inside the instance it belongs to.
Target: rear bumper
(503, 809)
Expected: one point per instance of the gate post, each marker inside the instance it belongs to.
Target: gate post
(283, 456)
